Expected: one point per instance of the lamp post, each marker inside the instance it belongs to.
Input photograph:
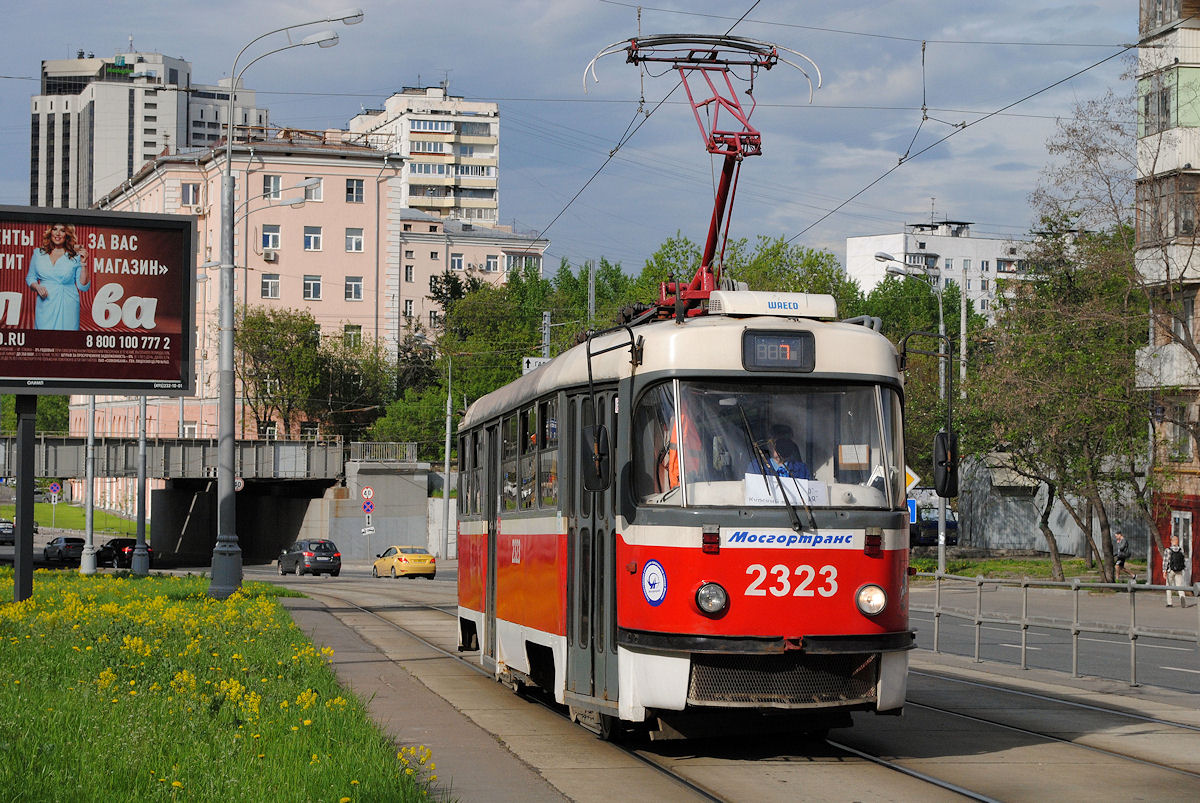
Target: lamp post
(227, 555)
(898, 268)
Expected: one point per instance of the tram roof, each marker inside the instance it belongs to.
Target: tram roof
(705, 344)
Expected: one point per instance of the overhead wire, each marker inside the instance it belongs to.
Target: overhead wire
(965, 126)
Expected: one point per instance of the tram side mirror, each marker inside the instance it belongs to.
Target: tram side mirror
(945, 464)
(595, 458)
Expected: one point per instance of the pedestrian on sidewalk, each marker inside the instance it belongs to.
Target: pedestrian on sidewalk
(1174, 562)
(1121, 553)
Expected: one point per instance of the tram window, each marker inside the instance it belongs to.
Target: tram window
(548, 454)
(656, 464)
(528, 463)
(477, 439)
(508, 466)
(464, 477)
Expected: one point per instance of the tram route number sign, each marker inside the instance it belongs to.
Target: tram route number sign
(367, 492)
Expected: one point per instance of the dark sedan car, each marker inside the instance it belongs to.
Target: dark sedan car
(8, 533)
(63, 549)
(925, 531)
(118, 553)
(311, 556)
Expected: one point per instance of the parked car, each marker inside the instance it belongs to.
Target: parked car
(8, 533)
(925, 531)
(64, 549)
(403, 561)
(118, 553)
(313, 556)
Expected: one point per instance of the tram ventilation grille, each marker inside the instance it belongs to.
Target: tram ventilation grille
(792, 680)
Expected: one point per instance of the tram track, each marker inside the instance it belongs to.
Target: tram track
(660, 762)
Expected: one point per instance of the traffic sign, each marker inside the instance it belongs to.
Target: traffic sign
(532, 363)
(368, 530)
(368, 506)
(910, 479)
(238, 484)
(368, 492)
(55, 487)
(912, 511)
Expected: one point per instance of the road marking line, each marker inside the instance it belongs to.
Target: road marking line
(1181, 669)
(1018, 646)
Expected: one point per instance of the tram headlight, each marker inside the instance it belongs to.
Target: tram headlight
(871, 599)
(712, 598)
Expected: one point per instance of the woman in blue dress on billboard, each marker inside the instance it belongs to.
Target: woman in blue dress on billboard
(58, 273)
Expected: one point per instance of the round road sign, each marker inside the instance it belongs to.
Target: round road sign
(368, 492)
(55, 487)
(368, 506)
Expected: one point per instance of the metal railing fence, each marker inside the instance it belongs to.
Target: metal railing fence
(1076, 626)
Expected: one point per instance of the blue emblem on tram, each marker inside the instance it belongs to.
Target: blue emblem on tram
(654, 583)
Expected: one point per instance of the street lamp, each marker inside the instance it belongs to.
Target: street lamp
(898, 268)
(227, 555)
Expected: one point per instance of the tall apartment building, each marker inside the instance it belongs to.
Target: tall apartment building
(1168, 188)
(973, 263)
(96, 121)
(451, 147)
(347, 248)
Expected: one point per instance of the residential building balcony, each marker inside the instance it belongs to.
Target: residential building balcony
(1169, 262)
(1174, 149)
(1166, 366)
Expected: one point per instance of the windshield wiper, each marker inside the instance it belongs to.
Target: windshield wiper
(764, 463)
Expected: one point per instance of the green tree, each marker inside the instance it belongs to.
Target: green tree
(357, 380)
(278, 364)
(53, 414)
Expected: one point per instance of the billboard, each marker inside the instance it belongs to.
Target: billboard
(96, 302)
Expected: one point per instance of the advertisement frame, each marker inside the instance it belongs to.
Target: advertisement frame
(182, 227)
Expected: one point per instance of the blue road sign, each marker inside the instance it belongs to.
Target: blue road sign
(912, 511)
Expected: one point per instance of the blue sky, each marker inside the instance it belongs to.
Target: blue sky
(529, 56)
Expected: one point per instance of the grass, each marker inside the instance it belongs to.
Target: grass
(144, 688)
(1016, 568)
(71, 517)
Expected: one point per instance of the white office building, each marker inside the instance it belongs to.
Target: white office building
(97, 120)
(451, 150)
(973, 263)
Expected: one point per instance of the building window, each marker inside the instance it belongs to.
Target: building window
(1167, 207)
(310, 430)
(352, 335)
(408, 273)
(1156, 103)
(315, 192)
(354, 190)
(354, 240)
(408, 308)
(968, 284)
(983, 305)
(268, 431)
(433, 319)
(949, 264)
(189, 193)
(354, 288)
(312, 288)
(407, 254)
(456, 262)
(432, 283)
(966, 265)
(492, 265)
(312, 238)
(189, 429)
(408, 227)
(433, 254)
(984, 265)
(466, 150)
(427, 147)
(270, 236)
(1179, 439)
(518, 261)
(430, 125)
(272, 187)
(270, 285)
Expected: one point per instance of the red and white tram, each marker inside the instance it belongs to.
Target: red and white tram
(742, 555)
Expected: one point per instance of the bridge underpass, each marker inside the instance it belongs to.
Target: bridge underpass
(289, 489)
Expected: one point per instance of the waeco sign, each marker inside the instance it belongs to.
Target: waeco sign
(95, 302)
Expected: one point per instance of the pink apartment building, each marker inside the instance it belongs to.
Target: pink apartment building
(321, 225)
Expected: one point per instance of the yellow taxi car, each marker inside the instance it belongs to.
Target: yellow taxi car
(404, 561)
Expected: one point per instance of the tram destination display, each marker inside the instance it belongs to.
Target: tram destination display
(775, 351)
(95, 302)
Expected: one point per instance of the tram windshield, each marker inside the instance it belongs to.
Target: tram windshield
(739, 444)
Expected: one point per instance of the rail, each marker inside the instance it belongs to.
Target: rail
(1076, 626)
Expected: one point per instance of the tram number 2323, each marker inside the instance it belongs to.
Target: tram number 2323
(781, 583)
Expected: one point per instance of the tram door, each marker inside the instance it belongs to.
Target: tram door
(591, 529)
(491, 501)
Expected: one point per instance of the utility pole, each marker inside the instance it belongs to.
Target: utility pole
(591, 272)
(546, 335)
